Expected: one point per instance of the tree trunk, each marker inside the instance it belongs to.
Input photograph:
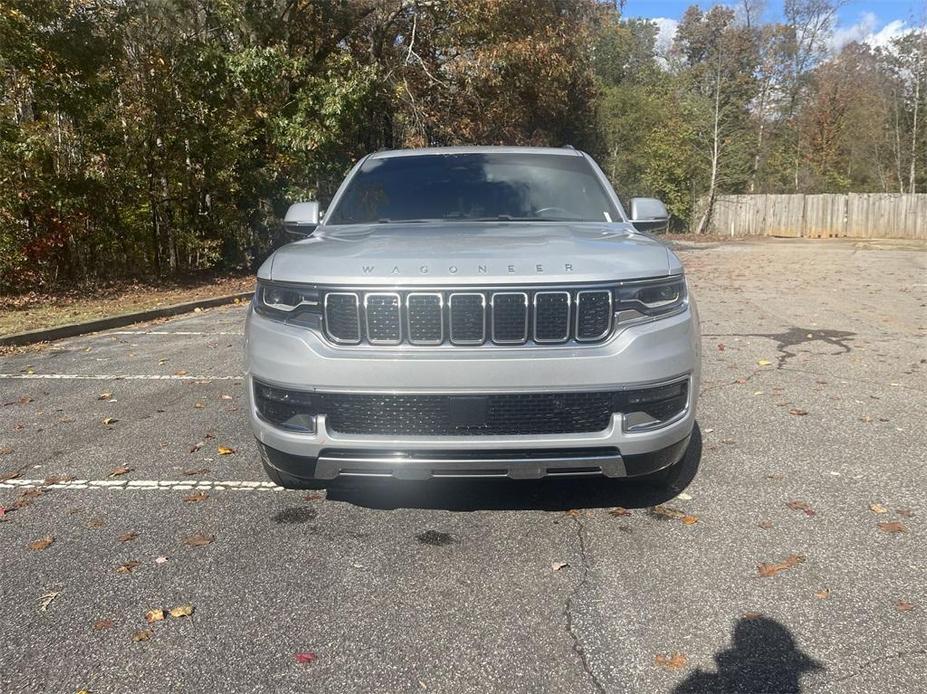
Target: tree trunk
(715, 153)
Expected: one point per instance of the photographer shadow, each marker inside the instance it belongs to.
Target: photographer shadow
(557, 494)
(763, 657)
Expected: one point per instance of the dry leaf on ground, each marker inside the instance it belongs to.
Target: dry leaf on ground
(619, 511)
(763, 362)
(198, 495)
(47, 599)
(141, 635)
(121, 470)
(904, 606)
(196, 471)
(765, 524)
(305, 657)
(798, 411)
(904, 512)
(789, 562)
(822, 594)
(199, 405)
(152, 616)
(103, 624)
(892, 527)
(224, 450)
(877, 508)
(557, 565)
(801, 506)
(128, 537)
(109, 420)
(41, 543)
(128, 567)
(674, 661)
(689, 520)
(199, 540)
(182, 611)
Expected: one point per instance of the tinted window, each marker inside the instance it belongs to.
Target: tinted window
(543, 187)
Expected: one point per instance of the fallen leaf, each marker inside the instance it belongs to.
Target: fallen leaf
(763, 362)
(198, 495)
(141, 635)
(765, 524)
(878, 508)
(181, 372)
(802, 506)
(751, 616)
(58, 479)
(102, 624)
(199, 405)
(674, 661)
(665, 512)
(904, 606)
(305, 658)
(104, 396)
(557, 565)
(128, 567)
(41, 543)
(689, 520)
(226, 397)
(572, 513)
(109, 420)
(619, 511)
(161, 560)
(152, 616)
(682, 496)
(47, 600)
(314, 497)
(892, 527)
(10, 475)
(904, 512)
(766, 570)
(199, 540)
(224, 450)
(121, 470)
(95, 522)
(797, 411)
(196, 471)
(822, 594)
(720, 346)
(182, 611)
(128, 537)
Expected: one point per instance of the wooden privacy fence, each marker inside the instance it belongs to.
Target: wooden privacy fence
(853, 215)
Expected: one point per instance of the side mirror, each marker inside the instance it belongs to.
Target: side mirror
(302, 218)
(649, 214)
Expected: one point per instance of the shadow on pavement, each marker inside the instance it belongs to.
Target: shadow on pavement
(763, 657)
(506, 495)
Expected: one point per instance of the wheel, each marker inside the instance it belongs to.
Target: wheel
(283, 479)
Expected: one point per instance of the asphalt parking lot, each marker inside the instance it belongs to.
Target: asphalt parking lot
(791, 558)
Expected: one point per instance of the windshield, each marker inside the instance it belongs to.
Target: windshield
(474, 187)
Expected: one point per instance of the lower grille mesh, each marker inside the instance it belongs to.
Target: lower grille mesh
(440, 415)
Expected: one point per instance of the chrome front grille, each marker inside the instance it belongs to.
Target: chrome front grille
(468, 317)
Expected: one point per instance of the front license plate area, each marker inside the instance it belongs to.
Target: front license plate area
(467, 411)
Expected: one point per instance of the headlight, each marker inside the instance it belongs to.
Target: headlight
(652, 297)
(284, 301)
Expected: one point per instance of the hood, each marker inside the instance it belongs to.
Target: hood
(476, 253)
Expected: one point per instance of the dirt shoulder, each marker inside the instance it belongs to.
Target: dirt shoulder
(34, 310)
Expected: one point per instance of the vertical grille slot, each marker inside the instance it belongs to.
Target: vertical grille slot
(509, 318)
(467, 318)
(593, 314)
(384, 326)
(342, 317)
(551, 316)
(425, 318)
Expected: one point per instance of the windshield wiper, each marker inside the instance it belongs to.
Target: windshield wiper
(387, 220)
(511, 218)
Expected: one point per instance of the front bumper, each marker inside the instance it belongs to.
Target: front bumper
(638, 355)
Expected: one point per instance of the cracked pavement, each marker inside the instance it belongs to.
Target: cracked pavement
(811, 459)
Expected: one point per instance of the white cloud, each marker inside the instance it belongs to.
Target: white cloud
(666, 31)
(867, 30)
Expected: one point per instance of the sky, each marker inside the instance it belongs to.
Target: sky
(874, 22)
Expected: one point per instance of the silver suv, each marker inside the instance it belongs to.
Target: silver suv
(472, 312)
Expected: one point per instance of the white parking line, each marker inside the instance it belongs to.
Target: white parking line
(148, 485)
(171, 332)
(118, 377)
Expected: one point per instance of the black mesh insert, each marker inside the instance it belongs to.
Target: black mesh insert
(382, 312)
(341, 317)
(505, 414)
(509, 317)
(552, 316)
(425, 318)
(467, 318)
(594, 310)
